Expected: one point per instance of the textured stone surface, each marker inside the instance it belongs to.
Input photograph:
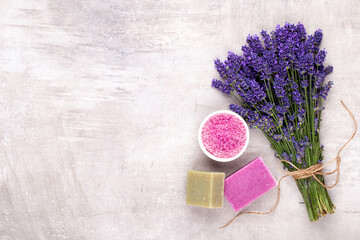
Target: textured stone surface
(100, 105)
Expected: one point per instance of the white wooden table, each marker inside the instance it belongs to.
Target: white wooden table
(100, 105)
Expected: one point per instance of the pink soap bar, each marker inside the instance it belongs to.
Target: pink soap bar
(248, 183)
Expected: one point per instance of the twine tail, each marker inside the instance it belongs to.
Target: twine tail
(337, 158)
(261, 213)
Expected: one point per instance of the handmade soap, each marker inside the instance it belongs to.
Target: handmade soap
(205, 189)
(248, 183)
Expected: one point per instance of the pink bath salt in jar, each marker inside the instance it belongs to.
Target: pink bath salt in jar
(223, 136)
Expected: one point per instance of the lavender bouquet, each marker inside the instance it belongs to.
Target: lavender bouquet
(280, 87)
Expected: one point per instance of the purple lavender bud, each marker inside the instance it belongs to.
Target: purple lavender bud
(304, 141)
(301, 115)
(286, 133)
(266, 108)
(320, 57)
(316, 125)
(280, 121)
(255, 44)
(239, 110)
(296, 96)
(328, 70)
(318, 36)
(220, 67)
(291, 117)
(319, 79)
(277, 137)
(264, 123)
(225, 88)
(304, 83)
(314, 41)
(324, 91)
(318, 109)
(286, 156)
(281, 109)
(267, 40)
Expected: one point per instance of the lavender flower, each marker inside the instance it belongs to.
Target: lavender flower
(281, 109)
(316, 125)
(277, 137)
(239, 110)
(324, 91)
(225, 88)
(279, 80)
(266, 108)
(328, 70)
(320, 57)
(273, 78)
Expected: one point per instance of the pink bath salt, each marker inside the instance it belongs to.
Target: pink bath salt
(247, 184)
(224, 135)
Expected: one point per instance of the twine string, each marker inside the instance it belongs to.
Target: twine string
(311, 171)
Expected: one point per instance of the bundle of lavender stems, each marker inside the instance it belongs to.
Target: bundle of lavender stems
(279, 85)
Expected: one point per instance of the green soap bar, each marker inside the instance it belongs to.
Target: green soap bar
(217, 190)
(205, 189)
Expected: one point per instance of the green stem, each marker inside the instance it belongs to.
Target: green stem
(316, 198)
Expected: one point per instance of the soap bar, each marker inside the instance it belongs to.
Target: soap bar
(248, 183)
(205, 189)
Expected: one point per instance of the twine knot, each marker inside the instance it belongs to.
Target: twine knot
(308, 172)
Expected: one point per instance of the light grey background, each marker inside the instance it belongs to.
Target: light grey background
(100, 105)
